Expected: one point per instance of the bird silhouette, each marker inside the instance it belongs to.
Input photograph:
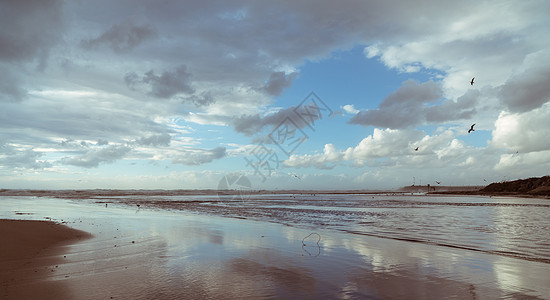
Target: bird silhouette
(472, 128)
(472, 82)
(294, 174)
(438, 182)
(416, 149)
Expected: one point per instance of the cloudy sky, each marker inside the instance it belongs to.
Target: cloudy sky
(291, 94)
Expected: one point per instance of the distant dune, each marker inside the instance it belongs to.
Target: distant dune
(535, 186)
(530, 187)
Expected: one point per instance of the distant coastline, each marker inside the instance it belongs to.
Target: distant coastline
(181, 192)
(530, 187)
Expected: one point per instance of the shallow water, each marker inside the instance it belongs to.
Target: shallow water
(518, 227)
(169, 247)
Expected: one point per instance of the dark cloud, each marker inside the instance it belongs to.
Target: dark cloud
(449, 110)
(386, 118)
(29, 28)
(165, 85)
(94, 157)
(410, 106)
(528, 90)
(248, 124)
(278, 81)
(132, 80)
(252, 124)
(195, 157)
(413, 92)
(10, 89)
(81, 120)
(403, 108)
(122, 37)
(155, 140)
(203, 99)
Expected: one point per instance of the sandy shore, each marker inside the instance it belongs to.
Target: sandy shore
(137, 253)
(27, 250)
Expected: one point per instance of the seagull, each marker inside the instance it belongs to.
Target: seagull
(472, 128)
(438, 182)
(416, 149)
(472, 82)
(294, 174)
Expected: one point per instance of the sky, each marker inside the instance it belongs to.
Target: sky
(272, 94)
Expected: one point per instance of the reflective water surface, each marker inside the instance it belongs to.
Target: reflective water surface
(516, 227)
(408, 247)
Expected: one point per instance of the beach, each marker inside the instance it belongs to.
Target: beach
(29, 250)
(153, 251)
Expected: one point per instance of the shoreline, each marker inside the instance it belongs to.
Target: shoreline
(153, 253)
(28, 248)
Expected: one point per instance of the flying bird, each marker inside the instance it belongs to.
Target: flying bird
(416, 149)
(294, 174)
(472, 82)
(472, 128)
(438, 182)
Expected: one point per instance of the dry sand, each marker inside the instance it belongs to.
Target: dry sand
(27, 250)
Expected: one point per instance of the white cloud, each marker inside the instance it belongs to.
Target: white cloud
(323, 160)
(155, 140)
(18, 157)
(521, 165)
(350, 109)
(383, 143)
(523, 132)
(389, 147)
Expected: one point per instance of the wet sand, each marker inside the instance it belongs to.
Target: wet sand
(28, 250)
(140, 253)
